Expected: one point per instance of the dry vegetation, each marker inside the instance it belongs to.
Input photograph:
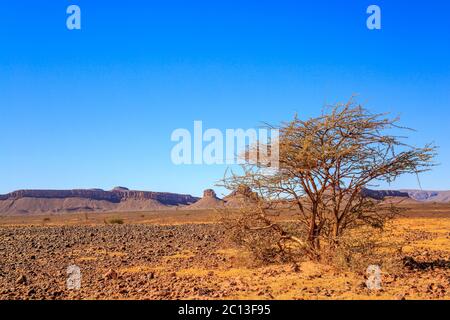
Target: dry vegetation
(162, 255)
(325, 165)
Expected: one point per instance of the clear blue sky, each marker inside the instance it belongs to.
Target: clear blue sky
(96, 107)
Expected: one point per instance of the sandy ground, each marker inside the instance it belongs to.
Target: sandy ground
(183, 255)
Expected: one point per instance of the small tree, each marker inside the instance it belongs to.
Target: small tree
(325, 165)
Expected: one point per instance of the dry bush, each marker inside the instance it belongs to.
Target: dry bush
(114, 221)
(362, 247)
(248, 231)
(325, 166)
(264, 246)
(355, 250)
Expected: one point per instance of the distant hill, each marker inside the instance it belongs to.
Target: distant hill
(208, 201)
(429, 196)
(123, 199)
(86, 200)
(416, 195)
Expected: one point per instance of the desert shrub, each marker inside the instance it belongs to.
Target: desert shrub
(261, 245)
(324, 169)
(355, 251)
(264, 246)
(115, 221)
(361, 247)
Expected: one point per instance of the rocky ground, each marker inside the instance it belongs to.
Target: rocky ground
(191, 261)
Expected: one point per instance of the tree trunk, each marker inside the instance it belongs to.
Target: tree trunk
(336, 229)
(313, 240)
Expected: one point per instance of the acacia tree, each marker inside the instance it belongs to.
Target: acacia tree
(325, 165)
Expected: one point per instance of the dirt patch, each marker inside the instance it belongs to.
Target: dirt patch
(192, 261)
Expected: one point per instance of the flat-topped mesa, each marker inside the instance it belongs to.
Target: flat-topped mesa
(209, 193)
(166, 198)
(116, 195)
(95, 194)
(382, 194)
(208, 201)
(120, 189)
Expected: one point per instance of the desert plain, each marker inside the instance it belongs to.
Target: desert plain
(184, 254)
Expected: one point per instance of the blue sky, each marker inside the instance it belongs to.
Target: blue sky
(96, 107)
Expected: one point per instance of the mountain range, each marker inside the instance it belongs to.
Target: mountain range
(121, 199)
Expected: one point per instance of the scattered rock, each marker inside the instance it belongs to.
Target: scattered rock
(22, 279)
(131, 276)
(110, 274)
